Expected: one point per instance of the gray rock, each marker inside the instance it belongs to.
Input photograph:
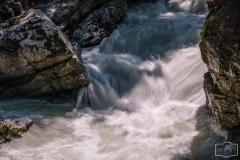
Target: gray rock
(36, 59)
(61, 10)
(67, 12)
(224, 109)
(99, 24)
(220, 50)
(13, 128)
(85, 8)
(85, 21)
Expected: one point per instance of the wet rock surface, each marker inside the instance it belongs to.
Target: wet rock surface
(99, 24)
(36, 59)
(72, 12)
(84, 21)
(36, 56)
(220, 50)
(13, 128)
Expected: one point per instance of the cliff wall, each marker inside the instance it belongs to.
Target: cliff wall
(220, 50)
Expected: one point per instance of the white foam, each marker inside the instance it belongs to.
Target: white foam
(135, 108)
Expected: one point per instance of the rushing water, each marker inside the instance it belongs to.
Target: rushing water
(145, 100)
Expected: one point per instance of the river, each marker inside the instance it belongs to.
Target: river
(145, 100)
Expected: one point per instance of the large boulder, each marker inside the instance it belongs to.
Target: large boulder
(99, 24)
(13, 128)
(35, 56)
(84, 21)
(36, 59)
(71, 12)
(220, 50)
(57, 11)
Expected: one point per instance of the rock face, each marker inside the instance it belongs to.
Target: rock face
(36, 59)
(220, 50)
(10, 129)
(71, 12)
(99, 24)
(84, 21)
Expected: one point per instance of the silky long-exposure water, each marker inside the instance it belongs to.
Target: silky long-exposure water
(145, 100)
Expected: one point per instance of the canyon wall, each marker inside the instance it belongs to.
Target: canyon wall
(220, 50)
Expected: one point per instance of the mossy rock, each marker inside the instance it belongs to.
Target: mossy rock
(13, 128)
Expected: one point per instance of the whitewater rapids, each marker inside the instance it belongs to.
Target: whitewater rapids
(145, 100)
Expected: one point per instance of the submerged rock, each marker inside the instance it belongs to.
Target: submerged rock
(220, 50)
(13, 128)
(36, 59)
